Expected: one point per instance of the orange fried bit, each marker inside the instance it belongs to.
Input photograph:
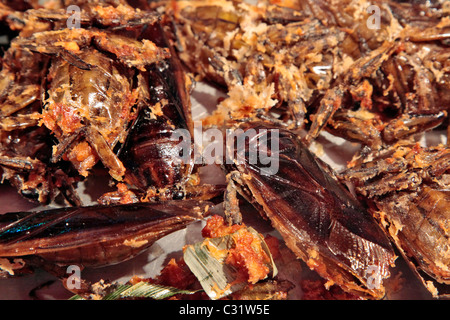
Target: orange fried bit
(123, 195)
(316, 290)
(274, 246)
(215, 227)
(62, 116)
(176, 274)
(132, 52)
(83, 157)
(247, 255)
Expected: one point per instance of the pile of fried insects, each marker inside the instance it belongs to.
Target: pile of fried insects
(90, 86)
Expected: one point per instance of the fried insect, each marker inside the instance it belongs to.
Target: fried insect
(401, 92)
(151, 154)
(236, 44)
(323, 64)
(157, 167)
(88, 236)
(25, 162)
(408, 187)
(25, 147)
(90, 96)
(86, 85)
(320, 221)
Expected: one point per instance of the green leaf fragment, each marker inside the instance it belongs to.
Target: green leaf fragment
(141, 290)
(206, 260)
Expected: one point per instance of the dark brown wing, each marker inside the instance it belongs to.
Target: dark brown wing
(318, 218)
(94, 236)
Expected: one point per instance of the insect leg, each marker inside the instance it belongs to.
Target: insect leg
(19, 121)
(107, 156)
(231, 203)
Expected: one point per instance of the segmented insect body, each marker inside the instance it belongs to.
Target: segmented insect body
(81, 84)
(151, 154)
(318, 218)
(408, 188)
(326, 68)
(89, 236)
